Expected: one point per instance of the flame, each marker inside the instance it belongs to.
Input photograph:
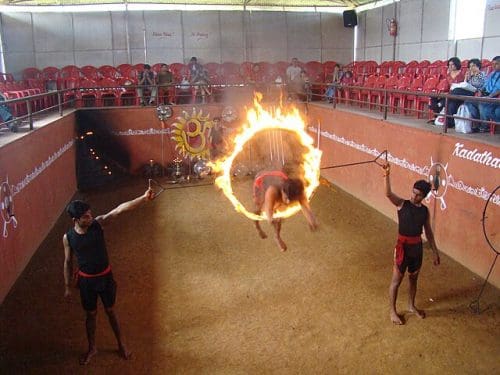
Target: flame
(260, 120)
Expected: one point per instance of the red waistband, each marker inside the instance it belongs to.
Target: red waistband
(411, 240)
(105, 272)
(259, 180)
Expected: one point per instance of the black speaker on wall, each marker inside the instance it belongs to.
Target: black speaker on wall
(350, 18)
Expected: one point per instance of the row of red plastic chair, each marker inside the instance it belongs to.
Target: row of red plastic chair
(406, 102)
(234, 73)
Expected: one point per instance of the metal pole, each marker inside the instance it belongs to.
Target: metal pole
(30, 115)
(59, 103)
(385, 105)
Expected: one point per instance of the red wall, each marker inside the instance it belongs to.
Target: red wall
(456, 216)
(458, 227)
(40, 170)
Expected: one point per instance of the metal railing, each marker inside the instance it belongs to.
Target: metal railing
(57, 101)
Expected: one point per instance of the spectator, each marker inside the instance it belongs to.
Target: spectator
(183, 90)
(336, 79)
(6, 115)
(199, 78)
(146, 81)
(474, 80)
(294, 79)
(164, 80)
(306, 93)
(454, 75)
(491, 89)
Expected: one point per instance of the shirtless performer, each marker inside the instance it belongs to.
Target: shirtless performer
(412, 217)
(273, 190)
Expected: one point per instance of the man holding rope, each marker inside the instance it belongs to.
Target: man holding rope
(86, 241)
(412, 217)
(272, 191)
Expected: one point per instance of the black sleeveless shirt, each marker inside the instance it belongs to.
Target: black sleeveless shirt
(411, 219)
(89, 248)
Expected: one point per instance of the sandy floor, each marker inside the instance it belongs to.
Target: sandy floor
(199, 292)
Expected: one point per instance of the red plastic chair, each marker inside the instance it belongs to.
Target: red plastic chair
(364, 94)
(124, 69)
(423, 68)
(328, 67)
(6, 77)
(178, 70)
(352, 95)
(127, 95)
(31, 73)
(72, 95)
(397, 68)
(20, 108)
(89, 94)
(385, 68)
(410, 98)
(430, 86)
(397, 100)
(90, 72)
(108, 71)
(376, 96)
(410, 69)
(138, 67)
(109, 93)
(230, 72)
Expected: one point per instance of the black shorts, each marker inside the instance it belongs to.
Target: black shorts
(412, 259)
(102, 286)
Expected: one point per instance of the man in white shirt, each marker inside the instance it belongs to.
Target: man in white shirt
(294, 80)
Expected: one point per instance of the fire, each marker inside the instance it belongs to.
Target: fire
(258, 120)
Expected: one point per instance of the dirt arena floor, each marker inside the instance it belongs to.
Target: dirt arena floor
(200, 293)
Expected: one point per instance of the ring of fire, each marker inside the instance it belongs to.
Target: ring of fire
(260, 120)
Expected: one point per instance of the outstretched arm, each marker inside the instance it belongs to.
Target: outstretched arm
(397, 201)
(126, 206)
(68, 266)
(430, 237)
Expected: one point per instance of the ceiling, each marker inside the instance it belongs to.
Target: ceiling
(239, 3)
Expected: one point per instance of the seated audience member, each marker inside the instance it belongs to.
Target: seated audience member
(336, 78)
(146, 81)
(199, 78)
(6, 115)
(183, 95)
(491, 89)
(346, 80)
(474, 81)
(164, 80)
(454, 76)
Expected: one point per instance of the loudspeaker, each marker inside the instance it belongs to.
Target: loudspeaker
(350, 18)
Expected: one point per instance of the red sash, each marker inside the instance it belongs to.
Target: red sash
(399, 251)
(105, 272)
(259, 180)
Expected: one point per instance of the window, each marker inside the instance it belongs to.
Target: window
(467, 19)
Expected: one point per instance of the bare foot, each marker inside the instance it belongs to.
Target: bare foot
(124, 353)
(262, 234)
(396, 319)
(417, 312)
(281, 244)
(85, 358)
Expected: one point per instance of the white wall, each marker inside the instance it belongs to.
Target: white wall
(100, 38)
(423, 33)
